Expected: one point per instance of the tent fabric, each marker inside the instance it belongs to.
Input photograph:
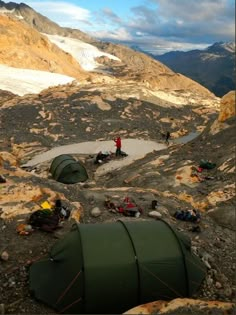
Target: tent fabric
(112, 267)
(65, 169)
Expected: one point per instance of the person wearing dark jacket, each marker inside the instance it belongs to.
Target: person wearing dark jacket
(167, 137)
(101, 157)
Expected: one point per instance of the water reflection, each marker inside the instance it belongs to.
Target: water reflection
(186, 138)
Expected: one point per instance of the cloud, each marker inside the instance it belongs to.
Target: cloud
(108, 13)
(185, 19)
(61, 12)
(166, 46)
(119, 35)
(182, 23)
(160, 45)
(157, 24)
(162, 25)
(191, 10)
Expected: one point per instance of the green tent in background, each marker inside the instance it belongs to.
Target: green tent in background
(67, 170)
(112, 267)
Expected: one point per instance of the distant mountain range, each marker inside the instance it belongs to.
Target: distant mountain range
(213, 67)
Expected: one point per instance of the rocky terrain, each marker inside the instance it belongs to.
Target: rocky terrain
(139, 99)
(60, 116)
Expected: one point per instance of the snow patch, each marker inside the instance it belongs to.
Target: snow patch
(170, 97)
(83, 53)
(25, 81)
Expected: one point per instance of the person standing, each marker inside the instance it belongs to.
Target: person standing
(118, 145)
(167, 137)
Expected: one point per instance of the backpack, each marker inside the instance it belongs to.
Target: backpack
(46, 220)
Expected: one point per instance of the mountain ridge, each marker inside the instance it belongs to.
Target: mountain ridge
(213, 67)
(38, 21)
(34, 50)
(134, 66)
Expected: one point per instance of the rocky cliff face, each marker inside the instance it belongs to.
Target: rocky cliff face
(184, 306)
(227, 106)
(39, 22)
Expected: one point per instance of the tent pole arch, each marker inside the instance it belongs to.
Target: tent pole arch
(65, 169)
(83, 269)
(183, 257)
(169, 289)
(136, 261)
(61, 159)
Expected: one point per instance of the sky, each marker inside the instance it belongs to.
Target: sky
(155, 26)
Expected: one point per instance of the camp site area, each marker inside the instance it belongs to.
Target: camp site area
(101, 251)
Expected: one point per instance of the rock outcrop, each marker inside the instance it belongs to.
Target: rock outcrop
(227, 106)
(184, 306)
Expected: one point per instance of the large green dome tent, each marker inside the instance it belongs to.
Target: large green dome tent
(65, 169)
(112, 267)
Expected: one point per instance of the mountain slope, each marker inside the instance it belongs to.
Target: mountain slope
(36, 20)
(154, 74)
(132, 65)
(23, 47)
(214, 67)
(66, 115)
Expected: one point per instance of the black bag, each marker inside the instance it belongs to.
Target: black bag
(154, 204)
(46, 220)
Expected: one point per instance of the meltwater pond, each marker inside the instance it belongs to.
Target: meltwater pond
(133, 147)
(187, 138)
